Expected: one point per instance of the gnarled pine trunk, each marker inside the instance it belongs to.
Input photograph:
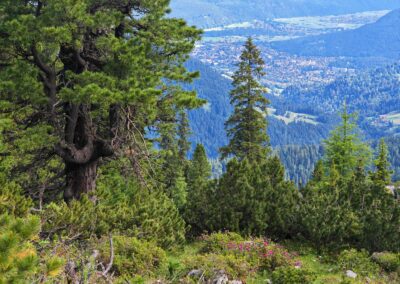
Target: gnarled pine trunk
(81, 151)
(80, 179)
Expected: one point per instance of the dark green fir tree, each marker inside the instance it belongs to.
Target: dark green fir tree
(247, 126)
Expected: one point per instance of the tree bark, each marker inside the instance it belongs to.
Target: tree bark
(81, 179)
(81, 151)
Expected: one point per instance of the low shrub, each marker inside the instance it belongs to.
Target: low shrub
(262, 254)
(292, 275)
(80, 219)
(239, 258)
(234, 266)
(218, 242)
(357, 261)
(133, 257)
(388, 261)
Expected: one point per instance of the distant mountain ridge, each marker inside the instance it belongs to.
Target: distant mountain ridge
(209, 13)
(380, 39)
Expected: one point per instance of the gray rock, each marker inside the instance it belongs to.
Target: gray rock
(351, 274)
(220, 278)
(195, 273)
(235, 282)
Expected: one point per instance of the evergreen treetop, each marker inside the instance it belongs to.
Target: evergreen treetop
(344, 148)
(247, 126)
(383, 172)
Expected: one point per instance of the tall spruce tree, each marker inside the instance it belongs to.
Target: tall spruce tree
(79, 77)
(252, 196)
(247, 126)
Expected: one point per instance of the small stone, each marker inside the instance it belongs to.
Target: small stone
(220, 278)
(268, 281)
(351, 274)
(235, 282)
(195, 273)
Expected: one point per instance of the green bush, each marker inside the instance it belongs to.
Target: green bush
(271, 256)
(239, 258)
(219, 242)
(122, 207)
(137, 211)
(133, 257)
(263, 255)
(79, 219)
(234, 266)
(357, 261)
(12, 200)
(19, 260)
(18, 256)
(292, 275)
(388, 261)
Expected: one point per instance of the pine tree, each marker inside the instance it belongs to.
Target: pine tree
(200, 168)
(281, 201)
(252, 196)
(344, 148)
(198, 207)
(247, 126)
(325, 219)
(330, 207)
(383, 172)
(318, 173)
(172, 170)
(240, 200)
(381, 215)
(82, 77)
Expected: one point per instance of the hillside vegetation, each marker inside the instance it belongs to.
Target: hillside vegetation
(100, 182)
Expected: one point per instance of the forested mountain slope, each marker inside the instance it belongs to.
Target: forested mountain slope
(374, 95)
(208, 123)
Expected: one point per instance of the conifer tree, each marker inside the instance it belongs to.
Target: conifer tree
(383, 172)
(79, 77)
(329, 207)
(381, 215)
(344, 148)
(281, 201)
(241, 199)
(252, 196)
(172, 170)
(200, 168)
(198, 208)
(318, 173)
(247, 126)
